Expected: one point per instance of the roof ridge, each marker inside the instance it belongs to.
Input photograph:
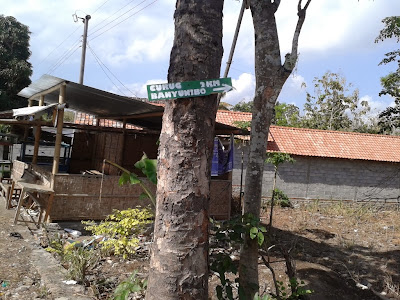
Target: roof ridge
(336, 131)
(233, 112)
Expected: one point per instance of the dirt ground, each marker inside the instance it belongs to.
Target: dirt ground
(340, 251)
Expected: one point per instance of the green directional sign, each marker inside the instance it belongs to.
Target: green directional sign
(166, 91)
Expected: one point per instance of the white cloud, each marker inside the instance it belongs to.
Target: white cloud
(141, 50)
(244, 88)
(138, 89)
(378, 105)
(138, 49)
(293, 89)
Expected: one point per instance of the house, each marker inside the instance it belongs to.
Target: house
(330, 165)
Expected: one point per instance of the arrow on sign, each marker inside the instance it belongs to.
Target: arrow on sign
(188, 89)
(223, 89)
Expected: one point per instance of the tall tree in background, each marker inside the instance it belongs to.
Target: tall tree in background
(243, 106)
(334, 106)
(389, 119)
(179, 259)
(271, 74)
(287, 115)
(15, 69)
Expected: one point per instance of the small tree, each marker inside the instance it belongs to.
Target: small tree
(276, 159)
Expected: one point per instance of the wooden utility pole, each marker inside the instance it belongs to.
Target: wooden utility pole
(60, 121)
(84, 42)
(245, 5)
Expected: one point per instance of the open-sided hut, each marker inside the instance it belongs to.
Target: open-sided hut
(120, 130)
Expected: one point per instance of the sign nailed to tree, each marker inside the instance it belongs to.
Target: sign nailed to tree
(166, 91)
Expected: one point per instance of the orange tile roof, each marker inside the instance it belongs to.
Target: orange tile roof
(87, 119)
(324, 143)
(303, 141)
(336, 144)
(229, 117)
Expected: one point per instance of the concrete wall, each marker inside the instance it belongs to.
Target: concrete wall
(314, 178)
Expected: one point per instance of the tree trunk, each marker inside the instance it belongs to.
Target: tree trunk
(179, 260)
(270, 77)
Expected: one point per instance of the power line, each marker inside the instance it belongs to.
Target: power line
(100, 6)
(101, 64)
(112, 14)
(65, 54)
(59, 45)
(118, 17)
(64, 57)
(124, 19)
(114, 75)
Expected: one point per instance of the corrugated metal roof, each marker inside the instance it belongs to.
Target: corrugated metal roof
(86, 99)
(32, 110)
(104, 105)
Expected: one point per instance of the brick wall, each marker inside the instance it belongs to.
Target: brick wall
(315, 178)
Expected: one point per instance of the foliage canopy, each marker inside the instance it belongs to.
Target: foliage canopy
(15, 70)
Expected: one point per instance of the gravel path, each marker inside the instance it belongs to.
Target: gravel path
(27, 271)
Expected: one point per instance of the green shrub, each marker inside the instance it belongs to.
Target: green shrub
(133, 284)
(121, 230)
(78, 259)
(282, 199)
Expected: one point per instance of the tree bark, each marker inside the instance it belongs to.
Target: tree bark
(179, 260)
(271, 74)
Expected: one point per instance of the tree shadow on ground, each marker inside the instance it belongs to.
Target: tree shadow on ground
(344, 266)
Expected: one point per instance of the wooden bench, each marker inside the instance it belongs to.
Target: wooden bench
(32, 195)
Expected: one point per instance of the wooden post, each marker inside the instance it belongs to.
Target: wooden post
(121, 150)
(37, 136)
(36, 148)
(60, 123)
(41, 101)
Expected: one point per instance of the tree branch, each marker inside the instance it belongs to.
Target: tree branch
(291, 58)
(276, 4)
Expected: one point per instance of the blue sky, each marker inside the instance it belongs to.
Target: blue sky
(338, 36)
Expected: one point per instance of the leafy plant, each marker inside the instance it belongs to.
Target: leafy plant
(297, 290)
(80, 260)
(281, 198)
(276, 159)
(228, 235)
(265, 297)
(77, 258)
(148, 167)
(242, 124)
(121, 229)
(56, 246)
(133, 284)
(5, 128)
